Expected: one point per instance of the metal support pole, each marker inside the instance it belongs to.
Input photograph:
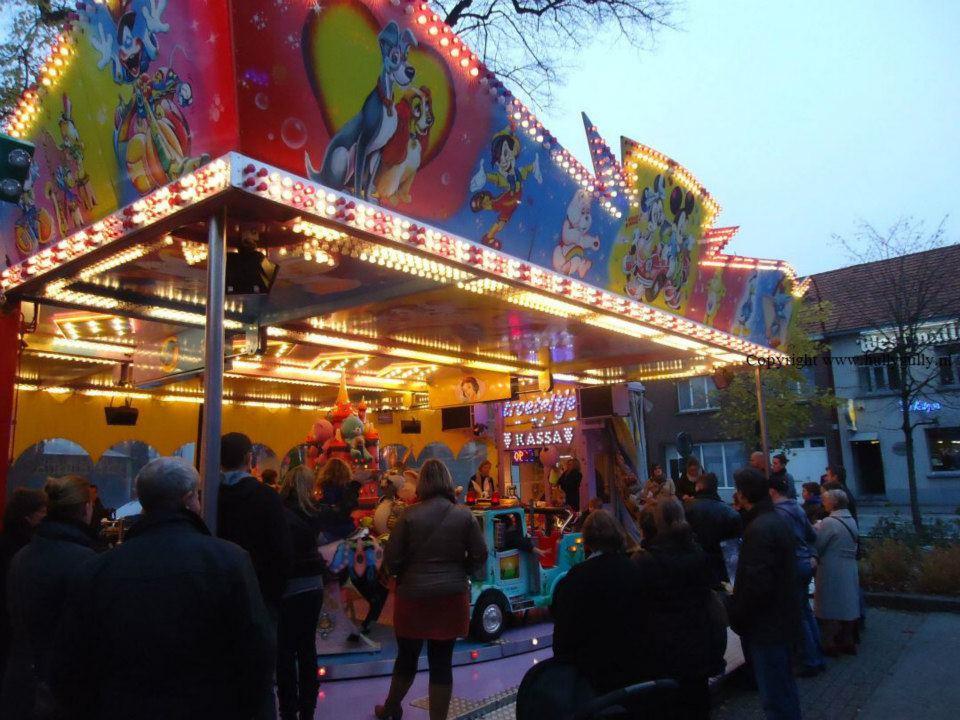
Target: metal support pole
(762, 412)
(213, 368)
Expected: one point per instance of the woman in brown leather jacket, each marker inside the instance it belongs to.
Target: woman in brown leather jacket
(432, 551)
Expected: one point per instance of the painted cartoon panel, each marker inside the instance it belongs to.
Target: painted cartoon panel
(380, 99)
(655, 259)
(141, 93)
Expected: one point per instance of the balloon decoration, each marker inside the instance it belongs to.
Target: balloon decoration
(549, 457)
(346, 434)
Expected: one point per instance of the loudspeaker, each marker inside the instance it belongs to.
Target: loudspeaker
(123, 415)
(603, 401)
(249, 273)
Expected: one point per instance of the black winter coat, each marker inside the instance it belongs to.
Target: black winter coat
(597, 616)
(252, 516)
(676, 580)
(713, 521)
(170, 624)
(765, 606)
(37, 586)
(303, 533)
(569, 482)
(13, 537)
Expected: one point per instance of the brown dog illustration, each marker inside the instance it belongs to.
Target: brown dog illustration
(404, 152)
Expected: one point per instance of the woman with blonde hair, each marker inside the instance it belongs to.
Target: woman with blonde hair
(37, 586)
(433, 550)
(297, 683)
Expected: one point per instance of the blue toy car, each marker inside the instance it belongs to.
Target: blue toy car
(515, 579)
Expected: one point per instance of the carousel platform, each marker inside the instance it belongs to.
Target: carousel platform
(373, 656)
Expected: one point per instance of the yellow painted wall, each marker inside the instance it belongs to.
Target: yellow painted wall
(168, 425)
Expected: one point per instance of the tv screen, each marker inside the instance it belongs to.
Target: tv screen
(456, 418)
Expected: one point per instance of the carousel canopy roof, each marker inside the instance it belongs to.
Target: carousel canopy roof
(420, 215)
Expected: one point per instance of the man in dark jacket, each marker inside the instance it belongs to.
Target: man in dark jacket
(712, 521)
(170, 624)
(252, 515)
(778, 473)
(764, 609)
(836, 479)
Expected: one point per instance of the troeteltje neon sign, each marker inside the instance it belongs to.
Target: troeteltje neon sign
(557, 435)
(550, 408)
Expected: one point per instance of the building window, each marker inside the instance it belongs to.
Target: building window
(948, 361)
(721, 458)
(944, 444)
(878, 373)
(818, 442)
(696, 394)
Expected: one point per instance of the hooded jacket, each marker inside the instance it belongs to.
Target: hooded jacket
(252, 516)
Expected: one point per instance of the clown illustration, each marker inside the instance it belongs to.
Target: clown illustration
(151, 134)
(34, 227)
(70, 190)
(507, 178)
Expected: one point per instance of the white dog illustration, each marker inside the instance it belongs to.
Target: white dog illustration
(569, 257)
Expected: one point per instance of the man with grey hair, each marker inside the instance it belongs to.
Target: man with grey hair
(169, 624)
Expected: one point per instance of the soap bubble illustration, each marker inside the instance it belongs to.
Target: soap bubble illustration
(294, 133)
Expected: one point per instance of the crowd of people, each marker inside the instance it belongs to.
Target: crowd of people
(174, 622)
(670, 601)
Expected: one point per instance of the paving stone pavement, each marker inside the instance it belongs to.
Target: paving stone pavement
(903, 671)
(849, 682)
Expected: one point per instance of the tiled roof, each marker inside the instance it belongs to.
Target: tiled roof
(856, 293)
